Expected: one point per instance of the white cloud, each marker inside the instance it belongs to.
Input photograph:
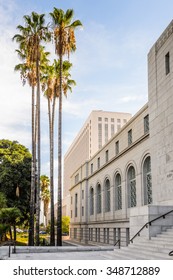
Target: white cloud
(131, 98)
(80, 108)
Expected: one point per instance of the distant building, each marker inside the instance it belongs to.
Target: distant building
(129, 181)
(97, 130)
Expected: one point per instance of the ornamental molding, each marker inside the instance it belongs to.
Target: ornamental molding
(164, 36)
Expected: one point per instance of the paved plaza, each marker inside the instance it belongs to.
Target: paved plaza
(58, 253)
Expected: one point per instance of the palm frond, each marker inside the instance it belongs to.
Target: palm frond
(76, 23)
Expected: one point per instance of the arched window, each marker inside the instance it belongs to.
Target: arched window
(99, 199)
(107, 196)
(131, 184)
(147, 182)
(91, 201)
(118, 192)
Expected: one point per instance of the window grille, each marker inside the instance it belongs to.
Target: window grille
(91, 201)
(76, 198)
(107, 196)
(147, 181)
(99, 198)
(130, 137)
(91, 168)
(118, 192)
(82, 211)
(117, 148)
(107, 155)
(167, 63)
(131, 187)
(146, 124)
(98, 163)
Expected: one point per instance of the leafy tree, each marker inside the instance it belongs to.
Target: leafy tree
(65, 43)
(3, 200)
(3, 227)
(10, 217)
(65, 224)
(15, 175)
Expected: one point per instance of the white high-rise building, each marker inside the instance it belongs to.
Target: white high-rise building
(99, 127)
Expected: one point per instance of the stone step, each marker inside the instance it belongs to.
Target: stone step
(156, 248)
(169, 229)
(152, 247)
(155, 243)
(147, 250)
(132, 253)
(162, 239)
(166, 233)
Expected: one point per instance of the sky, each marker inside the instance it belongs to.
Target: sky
(109, 65)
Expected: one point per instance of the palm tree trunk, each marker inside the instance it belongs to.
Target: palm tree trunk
(32, 198)
(14, 228)
(59, 206)
(38, 153)
(10, 231)
(52, 226)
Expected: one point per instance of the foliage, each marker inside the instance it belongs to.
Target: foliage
(65, 224)
(10, 216)
(3, 200)
(4, 228)
(45, 193)
(15, 175)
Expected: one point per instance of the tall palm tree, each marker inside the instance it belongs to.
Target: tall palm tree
(48, 84)
(50, 87)
(28, 73)
(63, 29)
(30, 38)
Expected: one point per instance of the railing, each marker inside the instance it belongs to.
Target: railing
(171, 254)
(118, 243)
(149, 224)
(9, 243)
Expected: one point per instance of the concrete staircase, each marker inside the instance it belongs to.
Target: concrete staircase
(157, 248)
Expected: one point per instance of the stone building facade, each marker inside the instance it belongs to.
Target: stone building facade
(129, 181)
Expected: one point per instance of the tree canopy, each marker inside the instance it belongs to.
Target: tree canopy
(15, 175)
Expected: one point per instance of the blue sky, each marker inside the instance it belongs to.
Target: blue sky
(109, 66)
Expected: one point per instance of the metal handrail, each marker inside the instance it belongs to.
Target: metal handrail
(117, 242)
(9, 243)
(171, 254)
(149, 223)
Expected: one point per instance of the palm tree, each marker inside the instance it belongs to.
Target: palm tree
(29, 39)
(50, 87)
(63, 29)
(45, 194)
(48, 82)
(28, 73)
